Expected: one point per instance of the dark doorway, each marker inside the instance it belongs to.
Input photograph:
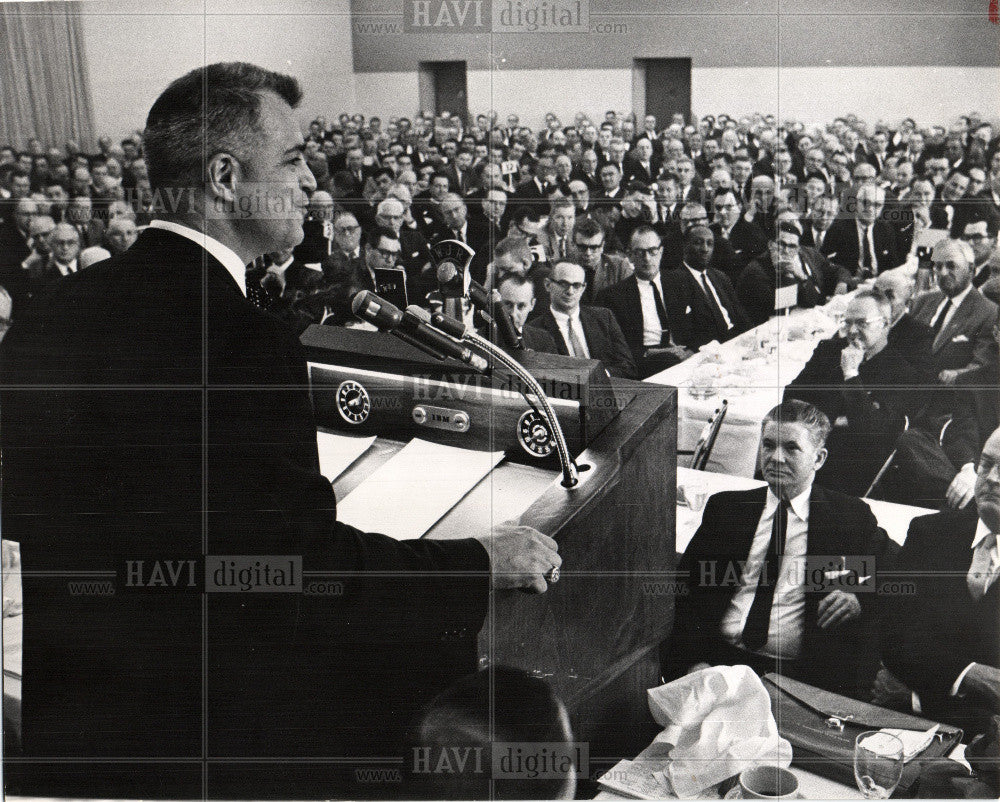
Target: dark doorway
(443, 88)
(668, 87)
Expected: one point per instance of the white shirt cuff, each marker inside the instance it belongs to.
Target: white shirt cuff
(958, 682)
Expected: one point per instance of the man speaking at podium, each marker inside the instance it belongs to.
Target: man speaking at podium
(157, 432)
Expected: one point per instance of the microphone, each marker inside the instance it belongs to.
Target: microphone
(369, 307)
(490, 307)
(417, 322)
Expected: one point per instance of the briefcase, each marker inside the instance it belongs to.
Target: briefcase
(822, 727)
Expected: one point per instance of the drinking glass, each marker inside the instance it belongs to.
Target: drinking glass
(878, 763)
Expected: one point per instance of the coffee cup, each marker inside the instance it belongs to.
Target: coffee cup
(768, 782)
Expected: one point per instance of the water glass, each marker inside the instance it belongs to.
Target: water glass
(878, 763)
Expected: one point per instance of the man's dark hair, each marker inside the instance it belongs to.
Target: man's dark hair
(378, 233)
(795, 411)
(518, 280)
(497, 705)
(641, 231)
(588, 227)
(210, 110)
(983, 214)
(788, 227)
(723, 191)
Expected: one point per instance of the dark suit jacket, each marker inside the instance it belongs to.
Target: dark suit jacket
(539, 340)
(747, 241)
(843, 660)
(759, 280)
(691, 321)
(931, 634)
(604, 339)
(840, 245)
(186, 431)
(886, 388)
(966, 343)
(623, 299)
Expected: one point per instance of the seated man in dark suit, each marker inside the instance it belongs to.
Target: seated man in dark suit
(603, 269)
(935, 462)
(637, 303)
(942, 639)
(585, 332)
(868, 386)
(518, 295)
(701, 303)
(961, 318)
(862, 242)
(747, 240)
(785, 264)
(751, 598)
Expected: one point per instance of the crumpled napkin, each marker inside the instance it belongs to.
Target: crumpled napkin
(718, 722)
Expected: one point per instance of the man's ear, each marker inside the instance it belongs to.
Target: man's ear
(821, 456)
(224, 172)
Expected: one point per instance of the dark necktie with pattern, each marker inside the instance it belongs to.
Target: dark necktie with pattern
(256, 294)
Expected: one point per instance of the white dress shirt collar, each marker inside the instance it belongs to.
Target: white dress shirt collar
(223, 253)
(982, 531)
(799, 504)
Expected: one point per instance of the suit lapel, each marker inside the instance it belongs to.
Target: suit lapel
(964, 312)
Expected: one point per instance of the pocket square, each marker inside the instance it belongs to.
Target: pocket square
(687, 310)
(961, 338)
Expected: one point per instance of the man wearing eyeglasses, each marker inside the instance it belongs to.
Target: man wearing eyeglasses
(863, 381)
(638, 306)
(783, 264)
(960, 316)
(584, 332)
(602, 269)
(942, 639)
(981, 235)
(747, 240)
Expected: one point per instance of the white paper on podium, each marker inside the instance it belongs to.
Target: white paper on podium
(338, 451)
(415, 489)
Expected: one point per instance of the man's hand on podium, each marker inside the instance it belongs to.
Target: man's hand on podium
(521, 557)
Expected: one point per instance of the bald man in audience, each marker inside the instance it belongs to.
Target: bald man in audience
(961, 318)
(584, 332)
(862, 241)
(120, 235)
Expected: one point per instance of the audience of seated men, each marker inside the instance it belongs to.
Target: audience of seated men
(960, 317)
(748, 601)
(941, 640)
(638, 305)
(784, 264)
(584, 332)
(868, 386)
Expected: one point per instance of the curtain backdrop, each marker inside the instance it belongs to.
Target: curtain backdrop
(43, 88)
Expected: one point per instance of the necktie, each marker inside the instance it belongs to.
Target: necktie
(256, 294)
(661, 312)
(717, 316)
(818, 238)
(759, 619)
(577, 347)
(983, 570)
(939, 320)
(867, 257)
(562, 247)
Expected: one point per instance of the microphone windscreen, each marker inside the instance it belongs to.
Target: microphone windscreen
(446, 271)
(359, 301)
(419, 312)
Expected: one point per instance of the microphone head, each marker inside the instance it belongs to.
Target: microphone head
(446, 271)
(419, 312)
(360, 300)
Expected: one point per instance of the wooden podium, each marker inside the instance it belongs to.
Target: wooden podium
(594, 635)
